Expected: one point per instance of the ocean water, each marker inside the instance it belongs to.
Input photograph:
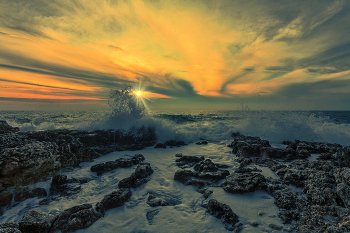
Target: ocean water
(275, 126)
(186, 212)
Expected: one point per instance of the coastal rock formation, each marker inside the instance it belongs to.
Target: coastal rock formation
(223, 212)
(36, 221)
(24, 193)
(156, 201)
(10, 228)
(115, 199)
(28, 157)
(118, 163)
(139, 177)
(244, 183)
(6, 128)
(205, 173)
(75, 218)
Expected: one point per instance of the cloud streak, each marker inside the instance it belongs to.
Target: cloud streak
(209, 50)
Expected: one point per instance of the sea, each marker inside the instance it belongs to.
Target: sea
(186, 212)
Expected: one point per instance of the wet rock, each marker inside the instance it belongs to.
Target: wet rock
(6, 197)
(320, 188)
(246, 146)
(244, 183)
(36, 221)
(6, 128)
(160, 145)
(118, 163)
(29, 163)
(286, 154)
(342, 175)
(61, 185)
(286, 199)
(139, 177)
(173, 143)
(343, 192)
(75, 218)
(292, 176)
(155, 201)
(203, 142)
(113, 200)
(314, 147)
(188, 160)
(183, 176)
(10, 228)
(29, 192)
(223, 212)
(275, 227)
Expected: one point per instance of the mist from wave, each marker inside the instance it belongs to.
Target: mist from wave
(126, 112)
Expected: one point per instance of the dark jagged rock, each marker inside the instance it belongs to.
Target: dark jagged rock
(343, 192)
(314, 147)
(6, 197)
(223, 212)
(75, 218)
(113, 200)
(61, 185)
(6, 128)
(118, 163)
(183, 176)
(173, 143)
(188, 160)
(10, 228)
(26, 192)
(287, 216)
(246, 146)
(286, 199)
(139, 177)
(156, 201)
(36, 221)
(320, 188)
(28, 157)
(160, 145)
(244, 183)
(203, 142)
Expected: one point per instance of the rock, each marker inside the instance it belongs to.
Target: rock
(188, 160)
(244, 183)
(223, 212)
(342, 175)
(139, 177)
(183, 176)
(6, 128)
(285, 199)
(275, 227)
(343, 192)
(320, 188)
(155, 201)
(75, 218)
(26, 192)
(113, 200)
(36, 221)
(287, 216)
(160, 145)
(29, 163)
(203, 142)
(61, 185)
(246, 146)
(173, 143)
(5, 198)
(10, 228)
(118, 163)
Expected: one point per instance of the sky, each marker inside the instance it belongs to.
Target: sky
(200, 55)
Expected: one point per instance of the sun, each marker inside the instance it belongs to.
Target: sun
(139, 94)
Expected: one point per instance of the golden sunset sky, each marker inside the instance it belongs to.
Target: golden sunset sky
(186, 54)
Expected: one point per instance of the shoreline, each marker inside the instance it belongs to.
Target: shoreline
(325, 183)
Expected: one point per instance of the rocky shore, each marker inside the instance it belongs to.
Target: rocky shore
(312, 195)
